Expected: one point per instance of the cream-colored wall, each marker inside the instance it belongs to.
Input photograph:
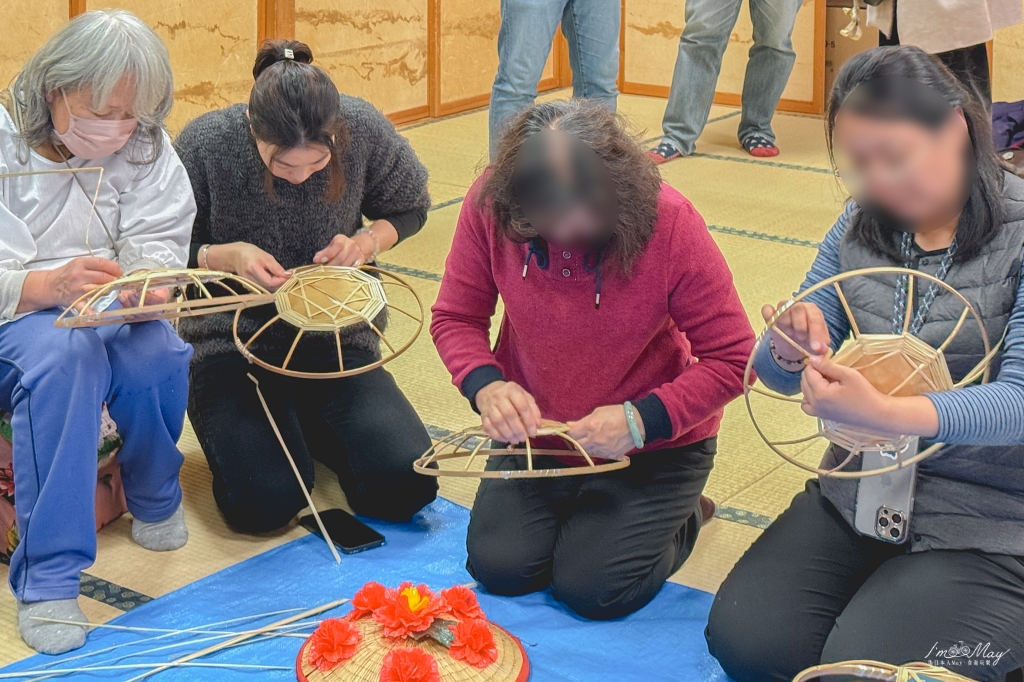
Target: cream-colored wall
(24, 27)
(212, 44)
(652, 30)
(374, 49)
(469, 48)
(1008, 64)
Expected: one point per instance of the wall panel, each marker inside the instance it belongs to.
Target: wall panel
(375, 50)
(1008, 64)
(212, 45)
(468, 54)
(25, 26)
(651, 30)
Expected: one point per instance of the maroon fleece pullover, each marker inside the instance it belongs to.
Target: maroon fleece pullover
(672, 337)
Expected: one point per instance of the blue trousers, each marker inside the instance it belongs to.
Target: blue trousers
(591, 27)
(54, 382)
(709, 23)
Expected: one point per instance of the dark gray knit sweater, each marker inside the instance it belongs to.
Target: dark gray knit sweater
(383, 180)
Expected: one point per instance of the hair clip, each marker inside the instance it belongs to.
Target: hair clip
(288, 53)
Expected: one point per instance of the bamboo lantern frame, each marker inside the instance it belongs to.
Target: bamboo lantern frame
(456, 446)
(193, 295)
(896, 364)
(325, 298)
(875, 670)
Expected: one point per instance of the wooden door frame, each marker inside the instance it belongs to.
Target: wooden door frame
(275, 20)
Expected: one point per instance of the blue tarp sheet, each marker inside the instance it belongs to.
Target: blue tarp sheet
(663, 641)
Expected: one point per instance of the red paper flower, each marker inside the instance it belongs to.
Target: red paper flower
(409, 665)
(368, 599)
(412, 609)
(462, 603)
(332, 643)
(474, 643)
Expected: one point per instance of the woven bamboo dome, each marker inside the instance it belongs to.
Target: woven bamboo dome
(330, 299)
(859, 671)
(895, 364)
(465, 447)
(192, 292)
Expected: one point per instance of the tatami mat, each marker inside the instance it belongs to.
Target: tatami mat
(765, 215)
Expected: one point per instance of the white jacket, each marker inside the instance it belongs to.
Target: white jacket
(44, 219)
(943, 25)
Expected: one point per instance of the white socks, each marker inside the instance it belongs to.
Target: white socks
(162, 536)
(57, 638)
(52, 638)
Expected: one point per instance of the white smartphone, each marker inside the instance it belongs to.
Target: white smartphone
(885, 502)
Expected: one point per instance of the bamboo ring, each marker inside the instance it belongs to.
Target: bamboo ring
(875, 670)
(919, 368)
(329, 299)
(469, 445)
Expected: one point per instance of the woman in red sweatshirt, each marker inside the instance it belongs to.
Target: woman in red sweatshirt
(618, 307)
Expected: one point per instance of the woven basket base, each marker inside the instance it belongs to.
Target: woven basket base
(511, 666)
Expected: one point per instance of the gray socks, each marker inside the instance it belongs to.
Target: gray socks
(52, 638)
(162, 536)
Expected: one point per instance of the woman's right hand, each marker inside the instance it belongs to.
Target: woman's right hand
(804, 323)
(68, 283)
(510, 414)
(249, 261)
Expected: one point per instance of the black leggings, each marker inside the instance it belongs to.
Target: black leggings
(812, 590)
(604, 543)
(362, 427)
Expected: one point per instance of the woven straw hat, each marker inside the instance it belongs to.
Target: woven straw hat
(511, 666)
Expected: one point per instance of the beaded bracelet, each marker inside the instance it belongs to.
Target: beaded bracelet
(791, 366)
(376, 243)
(634, 428)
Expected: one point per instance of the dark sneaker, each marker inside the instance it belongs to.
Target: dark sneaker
(663, 152)
(760, 147)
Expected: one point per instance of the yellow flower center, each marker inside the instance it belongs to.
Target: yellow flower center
(417, 602)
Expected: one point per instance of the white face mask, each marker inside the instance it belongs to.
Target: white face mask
(92, 138)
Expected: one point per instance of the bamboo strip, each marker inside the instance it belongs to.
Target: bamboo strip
(295, 470)
(240, 638)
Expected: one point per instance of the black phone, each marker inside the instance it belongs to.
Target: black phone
(349, 534)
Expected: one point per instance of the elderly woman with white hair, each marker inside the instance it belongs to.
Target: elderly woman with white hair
(94, 96)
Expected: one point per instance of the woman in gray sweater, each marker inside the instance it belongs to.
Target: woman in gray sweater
(282, 182)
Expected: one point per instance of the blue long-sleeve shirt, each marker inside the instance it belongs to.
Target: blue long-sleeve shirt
(990, 414)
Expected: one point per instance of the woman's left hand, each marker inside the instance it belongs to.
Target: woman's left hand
(341, 251)
(843, 395)
(604, 432)
(158, 296)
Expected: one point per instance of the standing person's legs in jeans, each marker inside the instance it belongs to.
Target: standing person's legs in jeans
(769, 64)
(362, 427)
(604, 543)
(698, 63)
(812, 590)
(527, 30)
(709, 23)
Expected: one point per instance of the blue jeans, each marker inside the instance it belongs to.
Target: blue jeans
(709, 23)
(591, 28)
(54, 382)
